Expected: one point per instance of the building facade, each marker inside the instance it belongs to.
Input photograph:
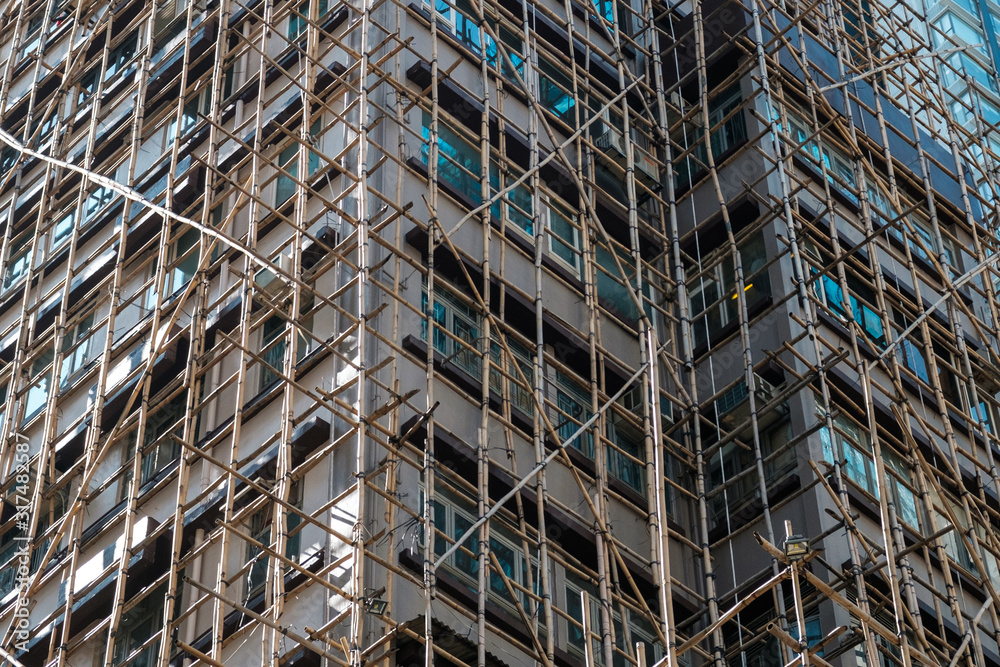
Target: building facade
(494, 332)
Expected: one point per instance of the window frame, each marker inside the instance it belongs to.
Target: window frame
(572, 591)
(32, 34)
(456, 321)
(57, 238)
(159, 450)
(121, 57)
(505, 382)
(288, 160)
(550, 210)
(77, 349)
(259, 527)
(18, 263)
(853, 450)
(446, 511)
(298, 19)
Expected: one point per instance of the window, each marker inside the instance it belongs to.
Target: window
(288, 160)
(850, 446)
(638, 629)
(625, 453)
(160, 446)
(984, 413)
(887, 215)
(459, 162)
(51, 508)
(86, 87)
(62, 230)
(3, 401)
(184, 256)
(573, 403)
(273, 349)
(733, 458)
(460, 19)
(99, 198)
(231, 79)
(520, 396)
(626, 459)
(41, 129)
(605, 9)
(198, 105)
(160, 141)
(900, 480)
(274, 341)
(712, 287)
(828, 291)
(32, 33)
(38, 394)
(563, 233)
(167, 11)
(8, 158)
(723, 137)
(839, 167)
(299, 20)
(79, 346)
(454, 521)
(959, 65)
(909, 352)
(514, 46)
(138, 625)
(120, 56)
(954, 545)
(616, 290)
(18, 260)
(733, 131)
(555, 92)
(814, 631)
(260, 530)
(889, 655)
(11, 543)
(456, 330)
(960, 32)
(516, 204)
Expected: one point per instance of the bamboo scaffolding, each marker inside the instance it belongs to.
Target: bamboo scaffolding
(498, 515)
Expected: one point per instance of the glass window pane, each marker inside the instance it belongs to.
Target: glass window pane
(506, 558)
(468, 564)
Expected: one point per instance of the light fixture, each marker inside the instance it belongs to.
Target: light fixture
(796, 547)
(376, 606)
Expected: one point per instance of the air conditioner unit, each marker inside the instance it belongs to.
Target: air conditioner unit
(733, 407)
(631, 400)
(612, 144)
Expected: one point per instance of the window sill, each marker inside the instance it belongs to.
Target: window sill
(468, 384)
(516, 238)
(56, 259)
(452, 585)
(835, 192)
(23, 65)
(121, 82)
(12, 296)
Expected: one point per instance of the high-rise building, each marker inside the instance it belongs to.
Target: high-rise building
(499, 333)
